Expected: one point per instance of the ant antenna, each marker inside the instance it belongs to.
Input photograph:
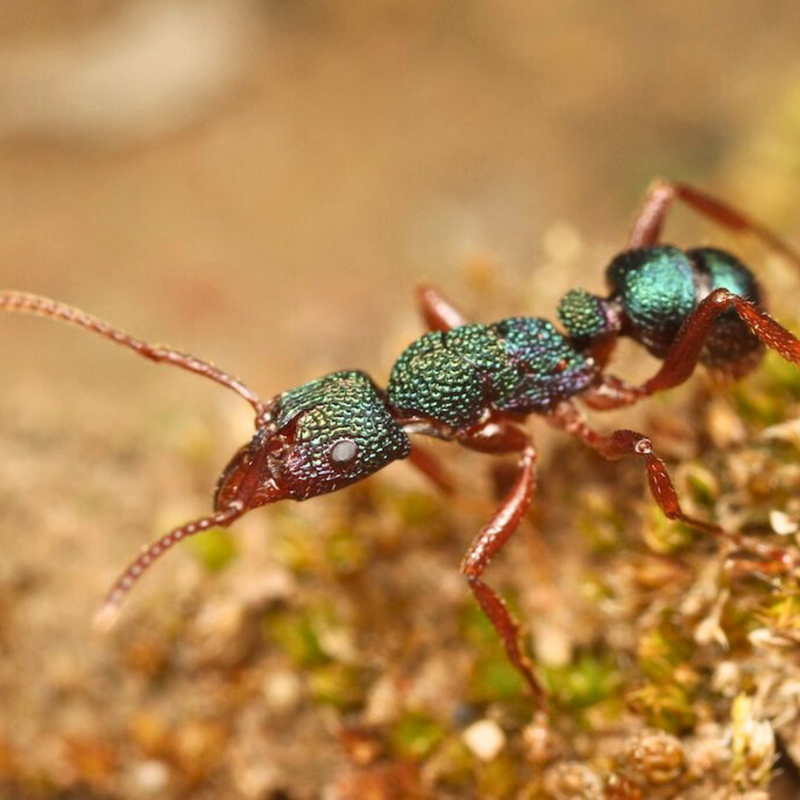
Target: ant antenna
(107, 614)
(44, 307)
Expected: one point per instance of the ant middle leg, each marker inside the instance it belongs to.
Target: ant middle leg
(660, 196)
(503, 437)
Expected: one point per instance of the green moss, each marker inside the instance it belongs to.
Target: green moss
(455, 766)
(782, 374)
(703, 485)
(346, 551)
(417, 508)
(666, 536)
(497, 778)
(588, 680)
(661, 650)
(494, 679)
(298, 636)
(668, 707)
(415, 736)
(758, 405)
(600, 522)
(339, 685)
(475, 627)
(214, 548)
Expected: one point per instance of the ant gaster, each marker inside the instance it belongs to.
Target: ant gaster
(474, 384)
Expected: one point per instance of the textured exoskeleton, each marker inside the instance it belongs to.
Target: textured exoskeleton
(474, 384)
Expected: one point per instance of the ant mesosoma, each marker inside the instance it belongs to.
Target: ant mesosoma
(474, 384)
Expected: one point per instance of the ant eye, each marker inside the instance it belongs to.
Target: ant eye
(343, 453)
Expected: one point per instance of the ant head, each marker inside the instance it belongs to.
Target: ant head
(317, 438)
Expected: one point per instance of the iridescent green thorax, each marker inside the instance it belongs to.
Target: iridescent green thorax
(338, 431)
(454, 377)
(730, 346)
(656, 289)
(451, 376)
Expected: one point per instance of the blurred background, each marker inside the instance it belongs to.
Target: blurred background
(263, 183)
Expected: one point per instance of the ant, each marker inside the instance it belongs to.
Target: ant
(474, 384)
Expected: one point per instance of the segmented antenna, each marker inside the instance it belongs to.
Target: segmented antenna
(44, 307)
(107, 614)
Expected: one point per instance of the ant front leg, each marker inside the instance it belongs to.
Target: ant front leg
(428, 465)
(502, 437)
(649, 222)
(623, 443)
(682, 358)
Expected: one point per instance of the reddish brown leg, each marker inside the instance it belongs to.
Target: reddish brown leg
(624, 443)
(499, 437)
(611, 392)
(43, 307)
(660, 196)
(437, 313)
(107, 614)
(431, 468)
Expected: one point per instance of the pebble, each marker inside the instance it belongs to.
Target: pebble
(485, 739)
(282, 690)
(151, 776)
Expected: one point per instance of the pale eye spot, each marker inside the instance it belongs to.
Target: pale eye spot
(343, 453)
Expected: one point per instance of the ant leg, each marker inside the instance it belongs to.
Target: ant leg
(623, 443)
(44, 307)
(502, 437)
(649, 221)
(611, 392)
(437, 313)
(108, 612)
(430, 466)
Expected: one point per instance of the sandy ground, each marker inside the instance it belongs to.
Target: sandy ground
(267, 195)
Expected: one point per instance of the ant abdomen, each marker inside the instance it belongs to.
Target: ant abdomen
(730, 347)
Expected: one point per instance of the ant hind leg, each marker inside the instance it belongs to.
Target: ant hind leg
(660, 196)
(612, 392)
(500, 438)
(624, 443)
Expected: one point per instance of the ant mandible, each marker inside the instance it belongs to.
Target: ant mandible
(474, 384)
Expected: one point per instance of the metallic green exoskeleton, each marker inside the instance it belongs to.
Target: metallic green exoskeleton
(341, 432)
(317, 438)
(584, 315)
(522, 364)
(654, 291)
(656, 288)
(730, 345)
